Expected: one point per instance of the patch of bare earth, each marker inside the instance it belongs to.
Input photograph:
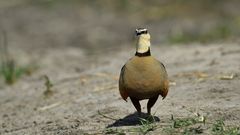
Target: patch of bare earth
(85, 97)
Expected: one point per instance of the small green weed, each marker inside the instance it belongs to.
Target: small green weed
(48, 84)
(179, 123)
(219, 128)
(147, 125)
(232, 131)
(186, 126)
(193, 130)
(9, 70)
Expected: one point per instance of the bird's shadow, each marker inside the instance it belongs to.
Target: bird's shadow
(133, 119)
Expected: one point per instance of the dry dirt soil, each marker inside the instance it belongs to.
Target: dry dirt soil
(84, 98)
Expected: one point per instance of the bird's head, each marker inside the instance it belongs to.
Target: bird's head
(143, 44)
(140, 31)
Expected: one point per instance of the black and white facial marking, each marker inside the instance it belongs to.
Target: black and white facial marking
(140, 31)
(143, 44)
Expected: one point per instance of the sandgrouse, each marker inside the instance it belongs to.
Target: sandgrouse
(143, 77)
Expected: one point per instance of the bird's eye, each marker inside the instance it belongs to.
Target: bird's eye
(138, 33)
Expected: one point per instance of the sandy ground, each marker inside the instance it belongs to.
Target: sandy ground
(85, 84)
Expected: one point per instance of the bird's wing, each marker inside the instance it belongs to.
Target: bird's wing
(162, 65)
(164, 91)
(122, 90)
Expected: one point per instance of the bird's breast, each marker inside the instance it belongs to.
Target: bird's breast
(144, 77)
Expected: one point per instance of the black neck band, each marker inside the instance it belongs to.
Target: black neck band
(148, 53)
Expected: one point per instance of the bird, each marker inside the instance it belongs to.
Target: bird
(143, 77)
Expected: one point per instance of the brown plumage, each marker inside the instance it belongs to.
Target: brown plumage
(143, 77)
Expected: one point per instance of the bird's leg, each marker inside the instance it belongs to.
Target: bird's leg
(136, 105)
(150, 103)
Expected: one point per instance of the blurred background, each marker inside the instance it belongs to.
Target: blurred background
(98, 24)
